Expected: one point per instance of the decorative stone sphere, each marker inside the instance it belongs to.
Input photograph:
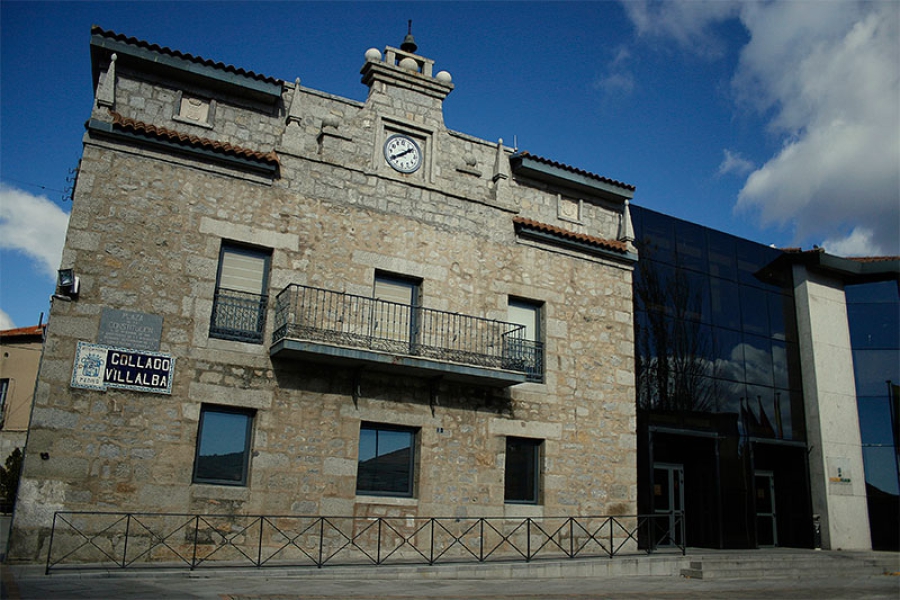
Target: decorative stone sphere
(373, 55)
(443, 76)
(409, 64)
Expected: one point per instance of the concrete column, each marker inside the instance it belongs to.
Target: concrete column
(837, 480)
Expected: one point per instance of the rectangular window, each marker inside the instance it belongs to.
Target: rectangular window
(529, 349)
(387, 457)
(4, 389)
(223, 445)
(394, 317)
(239, 306)
(523, 470)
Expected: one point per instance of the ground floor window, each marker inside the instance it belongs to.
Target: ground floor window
(387, 456)
(223, 445)
(523, 469)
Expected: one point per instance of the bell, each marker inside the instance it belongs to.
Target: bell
(409, 42)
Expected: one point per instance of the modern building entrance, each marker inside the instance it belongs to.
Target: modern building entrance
(766, 523)
(668, 499)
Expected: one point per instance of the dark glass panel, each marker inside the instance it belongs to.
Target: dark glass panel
(657, 241)
(873, 369)
(222, 447)
(754, 310)
(798, 419)
(690, 296)
(882, 291)
(781, 316)
(875, 420)
(751, 257)
(759, 415)
(725, 304)
(795, 378)
(881, 468)
(783, 412)
(874, 325)
(758, 360)
(780, 365)
(722, 257)
(385, 461)
(727, 350)
(690, 247)
(522, 468)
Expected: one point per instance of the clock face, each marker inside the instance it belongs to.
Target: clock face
(402, 153)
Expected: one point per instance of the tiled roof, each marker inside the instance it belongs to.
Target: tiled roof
(614, 245)
(141, 128)
(97, 30)
(873, 259)
(575, 170)
(34, 330)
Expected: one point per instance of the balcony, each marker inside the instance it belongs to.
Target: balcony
(360, 332)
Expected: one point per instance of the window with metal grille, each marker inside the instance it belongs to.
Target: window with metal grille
(528, 348)
(239, 306)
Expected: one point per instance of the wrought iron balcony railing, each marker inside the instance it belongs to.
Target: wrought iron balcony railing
(238, 316)
(378, 326)
(103, 540)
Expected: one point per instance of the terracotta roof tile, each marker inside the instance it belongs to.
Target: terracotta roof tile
(139, 127)
(23, 331)
(871, 259)
(614, 245)
(576, 170)
(97, 30)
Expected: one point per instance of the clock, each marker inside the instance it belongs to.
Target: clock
(402, 153)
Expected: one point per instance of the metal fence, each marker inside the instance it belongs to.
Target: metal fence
(238, 316)
(308, 313)
(104, 540)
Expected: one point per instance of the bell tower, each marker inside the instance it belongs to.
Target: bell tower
(403, 83)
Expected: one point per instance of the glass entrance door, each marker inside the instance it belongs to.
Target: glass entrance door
(668, 500)
(766, 524)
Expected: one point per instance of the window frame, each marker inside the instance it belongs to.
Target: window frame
(533, 374)
(536, 470)
(250, 416)
(411, 475)
(234, 334)
(4, 397)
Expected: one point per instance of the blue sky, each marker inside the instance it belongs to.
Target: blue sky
(777, 121)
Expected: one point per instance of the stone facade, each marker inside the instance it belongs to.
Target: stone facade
(303, 175)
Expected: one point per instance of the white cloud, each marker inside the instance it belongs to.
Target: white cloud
(733, 162)
(618, 80)
(857, 243)
(830, 77)
(826, 77)
(5, 321)
(691, 23)
(34, 226)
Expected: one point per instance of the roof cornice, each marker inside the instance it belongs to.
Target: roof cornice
(559, 174)
(144, 56)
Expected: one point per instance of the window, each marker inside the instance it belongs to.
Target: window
(4, 388)
(223, 445)
(530, 348)
(394, 317)
(386, 460)
(239, 306)
(523, 470)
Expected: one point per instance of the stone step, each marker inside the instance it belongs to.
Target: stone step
(791, 565)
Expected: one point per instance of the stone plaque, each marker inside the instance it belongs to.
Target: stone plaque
(125, 329)
(194, 109)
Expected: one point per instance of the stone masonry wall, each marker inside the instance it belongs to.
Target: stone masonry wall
(145, 234)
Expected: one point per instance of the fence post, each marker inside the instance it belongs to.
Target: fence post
(431, 554)
(259, 552)
(196, 533)
(321, 540)
(528, 539)
(612, 548)
(378, 549)
(50, 549)
(125, 548)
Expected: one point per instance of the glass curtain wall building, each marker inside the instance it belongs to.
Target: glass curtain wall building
(721, 427)
(873, 312)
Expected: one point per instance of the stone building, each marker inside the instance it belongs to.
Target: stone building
(285, 302)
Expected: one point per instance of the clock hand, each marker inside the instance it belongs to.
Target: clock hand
(407, 151)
